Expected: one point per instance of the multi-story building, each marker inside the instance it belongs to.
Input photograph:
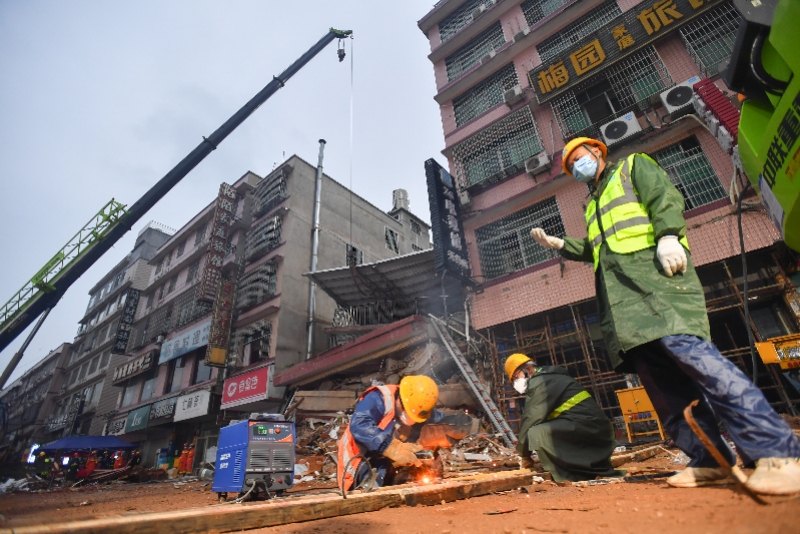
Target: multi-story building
(85, 372)
(28, 401)
(518, 79)
(256, 316)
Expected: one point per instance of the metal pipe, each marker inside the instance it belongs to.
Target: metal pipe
(312, 292)
(18, 356)
(157, 192)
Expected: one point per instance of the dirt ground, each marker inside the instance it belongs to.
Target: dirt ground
(642, 507)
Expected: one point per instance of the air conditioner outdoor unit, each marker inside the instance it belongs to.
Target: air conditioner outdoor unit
(620, 129)
(538, 163)
(479, 11)
(678, 100)
(514, 95)
(520, 35)
(488, 57)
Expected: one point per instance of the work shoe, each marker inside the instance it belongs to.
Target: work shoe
(694, 477)
(775, 476)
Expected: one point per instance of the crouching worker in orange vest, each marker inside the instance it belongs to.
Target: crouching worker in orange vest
(386, 423)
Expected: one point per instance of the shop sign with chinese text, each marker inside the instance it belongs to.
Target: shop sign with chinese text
(125, 322)
(138, 419)
(115, 428)
(162, 411)
(449, 244)
(621, 37)
(245, 388)
(217, 351)
(134, 367)
(218, 243)
(187, 342)
(192, 405)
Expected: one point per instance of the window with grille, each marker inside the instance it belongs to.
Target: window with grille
(459, 18)
(264, 236)
(150, 301)
(257, 286)
(201, 233)
(415, 248)
(505, 246)
(258, 340)
(497, 151)
(691, 172)
(471, 53)
(354, 256)
(626, 86)
(181, 248)
(390, 237)
(172, 283)
(575, 31)
(168, 260)
(415, 228)
(188, 308)
(536, 10)
(191, 274)
(160, 266)
(710, 38)
(485, 95)
(269, 194)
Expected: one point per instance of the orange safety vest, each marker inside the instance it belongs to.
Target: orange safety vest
(349, 447)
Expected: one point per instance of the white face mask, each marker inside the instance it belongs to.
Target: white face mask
(521, 385)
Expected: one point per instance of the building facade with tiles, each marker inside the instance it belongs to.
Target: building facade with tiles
(515, 81)
(226, 305)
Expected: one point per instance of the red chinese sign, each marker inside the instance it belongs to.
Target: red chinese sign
(218, 242)
(244, 388)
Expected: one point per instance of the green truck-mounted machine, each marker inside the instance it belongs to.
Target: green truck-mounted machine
(765, 66)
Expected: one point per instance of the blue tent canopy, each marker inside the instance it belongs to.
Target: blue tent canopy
(88, 442)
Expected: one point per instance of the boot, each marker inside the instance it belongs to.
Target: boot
(694, 477)
(775, 476)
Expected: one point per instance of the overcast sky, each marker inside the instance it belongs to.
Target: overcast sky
(101, 99)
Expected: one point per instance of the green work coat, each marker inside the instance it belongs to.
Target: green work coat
(576, 445)
(636, 301)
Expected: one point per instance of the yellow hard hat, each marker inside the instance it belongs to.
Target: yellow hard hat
(513, 362)
(419, 395)
(575, 143)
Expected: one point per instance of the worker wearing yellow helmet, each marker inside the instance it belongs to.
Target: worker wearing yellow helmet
(560, 422)
(654, 321)
(386, 420)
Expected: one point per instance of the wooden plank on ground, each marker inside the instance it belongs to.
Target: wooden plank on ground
(284, 511)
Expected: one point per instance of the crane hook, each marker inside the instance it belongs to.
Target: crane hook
(340, 50)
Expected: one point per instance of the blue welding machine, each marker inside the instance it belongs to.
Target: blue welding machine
(259, 452)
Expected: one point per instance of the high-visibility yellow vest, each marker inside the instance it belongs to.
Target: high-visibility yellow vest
(624, 221)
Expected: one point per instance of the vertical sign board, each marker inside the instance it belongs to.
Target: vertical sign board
(219, 337)
(223, 218)
(245, 388)
(448, 232)
(125, 322)
(185, 343)
(626, 34)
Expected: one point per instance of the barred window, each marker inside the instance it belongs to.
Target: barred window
(264, 236)
(268, 194)
(201, 233)
(710, 38)
(390, 237)
(415, 248)
(485, 95)
(191, 274)
(498, 151)
(188, 308)
(354, 256)
(505, 246)
(181, 248)
(626, 86)
(574, 32)
(459, 18)
(536, 10)
(471, 53)
(415, 228)
(691, 172)
(257, 286)
(172, 283)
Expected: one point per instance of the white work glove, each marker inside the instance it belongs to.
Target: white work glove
(545, 240)
(671, 254)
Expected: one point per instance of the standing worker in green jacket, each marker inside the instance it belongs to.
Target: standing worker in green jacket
(654, 322)
(561, 422)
